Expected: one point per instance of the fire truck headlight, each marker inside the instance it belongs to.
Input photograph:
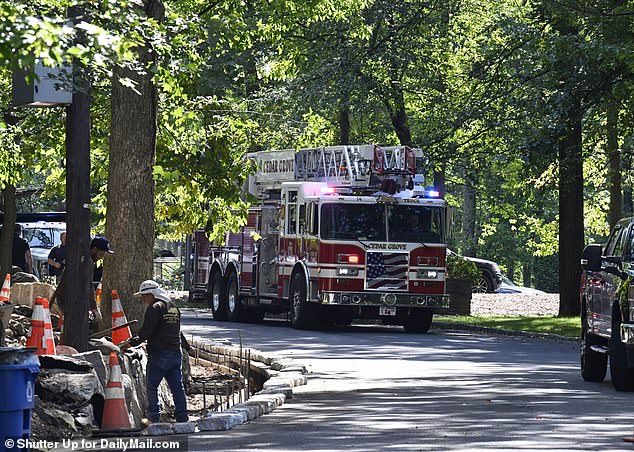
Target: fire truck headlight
(427, 274)
(347, 271)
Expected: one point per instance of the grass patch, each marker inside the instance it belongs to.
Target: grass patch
(564, 326)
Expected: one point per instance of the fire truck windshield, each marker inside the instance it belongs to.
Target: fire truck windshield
(381, 222)
(353, 221)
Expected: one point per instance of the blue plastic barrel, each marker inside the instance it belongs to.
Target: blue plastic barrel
(18, 369)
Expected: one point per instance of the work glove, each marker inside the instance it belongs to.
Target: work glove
(95, 315)
(135, 341)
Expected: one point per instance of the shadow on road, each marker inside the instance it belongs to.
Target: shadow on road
(379, 388)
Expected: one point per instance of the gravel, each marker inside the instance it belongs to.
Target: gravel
(515, 304)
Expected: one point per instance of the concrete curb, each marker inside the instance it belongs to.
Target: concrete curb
(501, 331)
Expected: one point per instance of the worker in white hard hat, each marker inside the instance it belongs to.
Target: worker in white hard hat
(161, 330)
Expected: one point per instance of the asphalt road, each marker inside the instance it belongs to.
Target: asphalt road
(379, 389)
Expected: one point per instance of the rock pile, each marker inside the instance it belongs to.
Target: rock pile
(19, 324)
(69, 396)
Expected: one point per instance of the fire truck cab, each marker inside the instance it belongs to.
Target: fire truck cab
(327, 245)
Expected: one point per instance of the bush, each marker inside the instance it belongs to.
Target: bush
(546, 273)
(460, 268)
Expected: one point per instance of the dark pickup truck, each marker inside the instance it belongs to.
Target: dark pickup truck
(607, 308)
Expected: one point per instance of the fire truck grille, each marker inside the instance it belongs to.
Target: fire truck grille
(387, 271)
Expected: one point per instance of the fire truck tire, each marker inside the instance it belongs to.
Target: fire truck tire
(216, 298)
(235, 310)
(594, 365)
(622, 375)
(304, 315)
(419, 321)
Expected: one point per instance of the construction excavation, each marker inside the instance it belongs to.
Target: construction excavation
(101, 393)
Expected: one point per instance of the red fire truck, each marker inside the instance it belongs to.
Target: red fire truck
(340, 233)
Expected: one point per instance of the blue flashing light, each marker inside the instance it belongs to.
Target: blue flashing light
(431, 193)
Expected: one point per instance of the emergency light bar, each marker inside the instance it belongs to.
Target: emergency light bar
(336, 191)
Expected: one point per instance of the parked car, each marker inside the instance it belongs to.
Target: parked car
(491, 276)
(508, 286)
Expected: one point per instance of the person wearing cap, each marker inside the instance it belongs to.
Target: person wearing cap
(99, 248)
(161, 330)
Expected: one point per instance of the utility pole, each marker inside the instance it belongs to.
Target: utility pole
(79, 265)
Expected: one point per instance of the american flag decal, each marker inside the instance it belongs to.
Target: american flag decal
(387, 271)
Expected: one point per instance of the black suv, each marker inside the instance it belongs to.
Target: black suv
(607, 308)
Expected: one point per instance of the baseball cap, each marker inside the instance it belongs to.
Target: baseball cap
(101, 243)
(152, 287)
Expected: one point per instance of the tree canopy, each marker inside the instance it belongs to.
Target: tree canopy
(508, 98)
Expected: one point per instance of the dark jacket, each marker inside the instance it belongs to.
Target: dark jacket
(20, 247)
(57, 254)
(161, 327)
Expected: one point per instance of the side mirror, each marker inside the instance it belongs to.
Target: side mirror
(591, 258)
(616, 260)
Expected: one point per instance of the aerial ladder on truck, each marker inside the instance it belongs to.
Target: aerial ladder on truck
(345, 165)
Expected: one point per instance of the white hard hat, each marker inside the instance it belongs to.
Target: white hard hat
(152, 287)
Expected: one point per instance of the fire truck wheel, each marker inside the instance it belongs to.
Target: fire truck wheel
(419, 321)
(235, 311)
(216, 298)
(304, 315)
(622, 375)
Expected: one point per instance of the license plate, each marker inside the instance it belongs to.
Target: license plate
(387, 310)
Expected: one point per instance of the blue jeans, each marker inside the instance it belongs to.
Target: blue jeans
(165, 364)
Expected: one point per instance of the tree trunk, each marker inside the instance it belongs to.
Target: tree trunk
(526, 274)
(440, 179)
(8, 225)
(614, 165)
(344, 123)
(130, 207)
(398, 115)
(628, 199)
(469, 215)
(571, 239)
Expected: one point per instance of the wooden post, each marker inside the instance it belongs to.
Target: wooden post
(79, 265)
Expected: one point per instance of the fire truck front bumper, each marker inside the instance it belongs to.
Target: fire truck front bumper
(384, 299)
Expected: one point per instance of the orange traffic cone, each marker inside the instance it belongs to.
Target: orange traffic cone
(115, 410)
(37, 335)
(5, 293)
(48, 329)
(98, 295)
(118, 319)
